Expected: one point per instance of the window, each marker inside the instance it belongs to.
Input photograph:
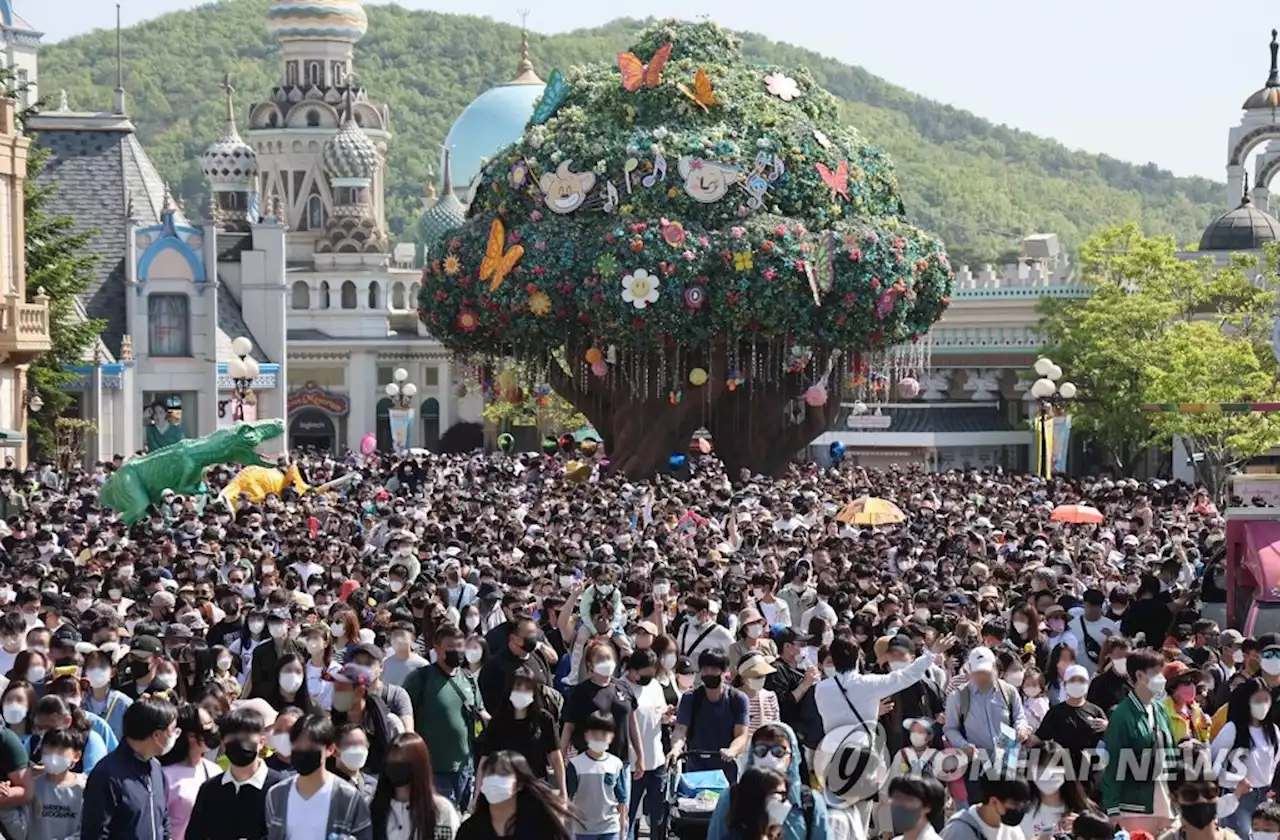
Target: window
(386, 375)
(168, 326)
(374, 296)
(291, 72)
(324, 294)
(325, 378)
(397, 296)
(301, 295)
(313, 118)
(315, 73)
(22, 85)
(339, 72)
(315, 213)
(431, 377)
(348, 295)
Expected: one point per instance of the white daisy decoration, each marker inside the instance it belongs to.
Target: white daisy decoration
(822, 139)
(782, 86)
(640, 288)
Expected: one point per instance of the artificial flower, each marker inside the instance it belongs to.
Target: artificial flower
(742, 260)
(607, 264)
(452, 265)
(540, 304)
(782, 86)
(640, 288)
(468, 321)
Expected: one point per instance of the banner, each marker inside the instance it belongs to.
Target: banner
(401, 424)
(1061, 442)
(1043, 427)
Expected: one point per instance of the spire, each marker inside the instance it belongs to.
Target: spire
(446, 183)
(1246, 199)
(119, 67)
(1273, 80)
(348, 101)
(231, 109)
(170, 206)
(525, 74)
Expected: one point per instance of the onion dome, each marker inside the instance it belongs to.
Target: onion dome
(230, 164)
(317, 20)
(495, 119)
(446, 215)
(1246, 228)
(1269, 95)
(350, 158)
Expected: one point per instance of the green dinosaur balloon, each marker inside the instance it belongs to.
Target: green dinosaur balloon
(180, 467)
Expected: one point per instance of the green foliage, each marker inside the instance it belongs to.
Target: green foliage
(1150, 333)
(979, 186)
(552, 414)
(689, 257)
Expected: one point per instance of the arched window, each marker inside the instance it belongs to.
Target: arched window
(313, 118)
(168, 325)
(291, 72)
(397, 296)
(315, 73)
(348, 295)
(324, 294)
(301, 295)
(339, 72)
(375, 295)
(413, 296)
(315, 213)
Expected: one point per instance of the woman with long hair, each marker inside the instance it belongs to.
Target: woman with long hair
(344, 627)
(1024, 630)
(758, 805)
(100, 698)
(513, 803)
(223, 672)
(16, 702)
(185, 768)
(523, 724)
(1061, 658)
(1056, 795)
(290, 687)
(405, 803)
(54, 712)
(253, 634)
(31, 666)
(319, 645)
(1110, 683)
(1248, 750)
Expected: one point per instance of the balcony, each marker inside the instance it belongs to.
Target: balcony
(24, 328)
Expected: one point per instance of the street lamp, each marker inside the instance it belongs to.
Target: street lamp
(33, 400)
(243, 370)
(401, 391)
(1051, 396)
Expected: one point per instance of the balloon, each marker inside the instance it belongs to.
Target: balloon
(594, 355)
(506, 442)
(908, 388)
(815, 396)
(677, 461)
(697, 376)
(368, 443)
(588, 447)
(568, 442)
(550, 445)
(600, 369)
(837, 451)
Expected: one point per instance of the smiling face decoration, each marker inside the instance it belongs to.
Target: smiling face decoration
(706, 181)
(566, 191)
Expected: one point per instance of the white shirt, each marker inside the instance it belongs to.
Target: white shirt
(1258, 764)
(864, 692)
(775, 612)
(1098, 631)
(1042, 821)
(307, 819)
(400, 828)
(821, 610)
(651, 703)
(717, 636)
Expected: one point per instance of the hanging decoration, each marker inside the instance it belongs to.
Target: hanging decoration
(593, 355)
(734, 380)
(550, 445)
(782, 86)
(636, 74)
(677, 461)
(698, 377)
(836, 451)
(497, 264)
(908, 388)
(599, 369)
(701, 94)
(564, 190)
(506, 443)
(815, 396)
(568, 442)
(553, 96)
(640, 288)
(706, 181)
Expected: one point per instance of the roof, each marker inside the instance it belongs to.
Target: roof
(1269, 95)
(1243, 229)
(495, 119)
(307, 335)
(231, 325)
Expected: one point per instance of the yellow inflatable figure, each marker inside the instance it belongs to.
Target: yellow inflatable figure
(259, 482)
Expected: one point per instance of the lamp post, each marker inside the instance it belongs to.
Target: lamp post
(33, 400)
(1051, 396)
(401, 391)
(243, 370)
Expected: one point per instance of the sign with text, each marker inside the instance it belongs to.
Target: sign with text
(313, 397)
(867, 422)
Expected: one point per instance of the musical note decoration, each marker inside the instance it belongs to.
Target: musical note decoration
(767, 170)
(627, 168)
(659, 173)
(610, 197)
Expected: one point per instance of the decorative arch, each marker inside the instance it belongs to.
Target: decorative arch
(301, 296)
(382, 424)
(375, 296)
(298, 116)
(349, 295)
(413, 296)
(1267, 172)
(265, 115)
(169, 236)
(1250, 141)
(368, 116)
(429, 420)
(324, 294)
(397, 295)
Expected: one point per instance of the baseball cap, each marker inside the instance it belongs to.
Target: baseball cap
(1075, 672)
(352, 674)
(784, 635)
(981, 659)
(368, 649)
(147, 644)
(1231, 637)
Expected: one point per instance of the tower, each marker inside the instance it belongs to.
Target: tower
(231, 169)
(351, 162)
(317, 92)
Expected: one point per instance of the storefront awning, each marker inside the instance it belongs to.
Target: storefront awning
(12, 439)
(931, 427)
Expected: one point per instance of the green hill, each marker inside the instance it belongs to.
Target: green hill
(980, 186)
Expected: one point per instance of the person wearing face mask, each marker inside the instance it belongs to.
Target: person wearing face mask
(99, 697)
(232, 804)
(290, 688)
(1139, 725)
(514, 804)
(449, 713)
(523, 723)
(916, 807)
(58, 794)
(771, 782)
(185, 768)
(520, 650)
(405, 804)
(762, 704)
(1110, 684)
(1187, 721)
(315, 803)
(919, 700)
(603, 691)
(1248, 751)
(354, 701)
(753, 639)
(1075, 724)
(598, 783)
(702, 633)
(124, 798)
(997, 815)
(352, 759)
(1226, 665)
(1197, 795)
(770, 606)
(402, 661)
(266, 660)
(459, 593)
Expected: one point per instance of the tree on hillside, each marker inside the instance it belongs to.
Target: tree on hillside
(700, 241)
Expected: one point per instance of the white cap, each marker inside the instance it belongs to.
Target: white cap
(1075, 672)
(1129, 539)
(981, 659)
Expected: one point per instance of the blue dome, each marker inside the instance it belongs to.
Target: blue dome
(495, 119)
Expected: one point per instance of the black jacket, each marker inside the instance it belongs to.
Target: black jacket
(124, 799)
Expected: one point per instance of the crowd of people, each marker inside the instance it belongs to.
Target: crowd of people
(482, 646)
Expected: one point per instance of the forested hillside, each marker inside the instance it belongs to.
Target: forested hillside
(979, 185)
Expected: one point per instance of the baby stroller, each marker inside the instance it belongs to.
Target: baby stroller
(692, 796)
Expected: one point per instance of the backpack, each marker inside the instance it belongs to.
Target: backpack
(695, 706)
(966, 701)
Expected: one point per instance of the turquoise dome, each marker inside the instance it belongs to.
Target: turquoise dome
(496, 119)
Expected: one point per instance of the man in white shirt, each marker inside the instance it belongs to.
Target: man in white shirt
(702, 632)
(771, 607)
(851, 698)
(315, 804)
(1091, 629)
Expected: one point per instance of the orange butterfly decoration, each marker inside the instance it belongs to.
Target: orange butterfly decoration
(837, 181)
(496, 264)
(636, 74)
(702, 94)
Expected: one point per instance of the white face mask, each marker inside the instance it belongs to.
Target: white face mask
(98, 677)
(1259, 710)
(224, 663)
(828, 671)
(35, 674)
(754, 631)
(771, 762)
(278, 630)
(1050, 784)
(1120, 666)
(522, 699)
(1014, 678)
(1238, 658)
(170, 742)
(755, 684)
(919, 739)
(395, 585)
(1076, 690)
(777, 810)
(1271, 667)
(473, 655)
(15, 713)
(354, 757)
(256, 625)
(55, 763)
(1257, 835)
(898, 665)
(1031, 691)
(1020, 627)
(281, 743)
(498, 789)
(1156, 683)
(604, 668)
(668, 661)
(337, 629)
(598, 744)
(290, 681)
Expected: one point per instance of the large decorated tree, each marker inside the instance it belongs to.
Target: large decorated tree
(686, 240)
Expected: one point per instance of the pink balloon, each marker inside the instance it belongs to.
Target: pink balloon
(368, 443)
(600, 368)
(815, 396)
(908, 388)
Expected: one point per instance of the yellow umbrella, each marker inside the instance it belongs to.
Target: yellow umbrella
(870, 510)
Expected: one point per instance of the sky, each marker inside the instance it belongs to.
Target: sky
(1140, 80)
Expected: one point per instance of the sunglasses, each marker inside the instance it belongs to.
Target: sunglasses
(776, 750)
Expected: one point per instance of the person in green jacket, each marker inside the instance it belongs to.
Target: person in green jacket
(1140, 747)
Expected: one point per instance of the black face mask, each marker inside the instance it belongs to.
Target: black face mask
(241, 753)
(212, 738)
(1199, 815)
(399, 773)
(454, 658)
(712, 681)
(645, 680)
(307, 762)
(529, 644)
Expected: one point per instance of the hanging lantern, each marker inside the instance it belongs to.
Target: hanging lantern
(568, 442)
(836, 451)
(698, 377)
(600, 369)
(550, 445)
(589, 447)
(594, 355)
(677, 461)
